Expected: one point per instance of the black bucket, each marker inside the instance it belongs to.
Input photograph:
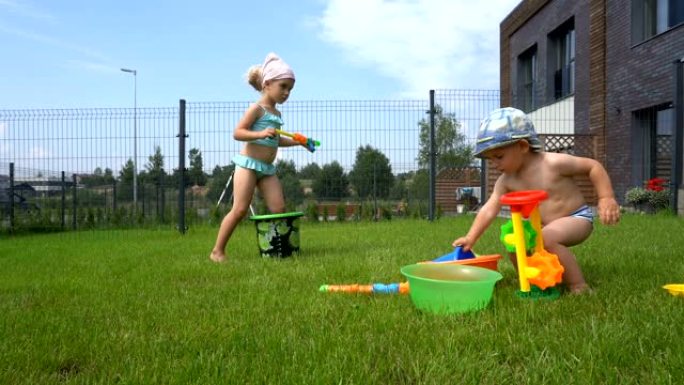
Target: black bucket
(277, 234)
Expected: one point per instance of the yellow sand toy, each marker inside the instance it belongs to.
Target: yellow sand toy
(676, 289)
(542, 269)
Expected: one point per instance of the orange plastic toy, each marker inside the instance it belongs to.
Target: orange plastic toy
(490, 262)
(550, 269)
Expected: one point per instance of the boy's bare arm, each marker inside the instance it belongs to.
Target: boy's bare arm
(483, 219)
(608, 208)
(599, 177)
(571, 166)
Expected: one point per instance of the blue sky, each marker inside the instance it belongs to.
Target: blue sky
(68, 54)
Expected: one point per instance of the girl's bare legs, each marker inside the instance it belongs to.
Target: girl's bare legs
(272, 192)
(244, 182)
(559, 235)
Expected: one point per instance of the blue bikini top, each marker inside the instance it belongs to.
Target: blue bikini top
(265, 121)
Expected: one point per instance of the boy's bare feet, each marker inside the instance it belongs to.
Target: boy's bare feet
(580, 289)
(217, 257)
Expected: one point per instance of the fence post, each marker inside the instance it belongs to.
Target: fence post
(75, 205)
(163, 201)
(431, 203)
(114, 196)
(63, 222)
(376, 217)
(181, 167)
(11, 197)
(141, 187)
(483, 181)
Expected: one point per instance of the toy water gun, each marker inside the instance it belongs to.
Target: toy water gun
(309, 143)
(376, 288)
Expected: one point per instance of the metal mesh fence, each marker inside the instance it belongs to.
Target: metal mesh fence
(92, 148)
(99, 150)
(341, 126)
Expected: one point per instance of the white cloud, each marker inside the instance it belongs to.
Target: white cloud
(95, 62)
(53, 41)
(24, 8)
(93, 66)
(38, 152)
(24, 11)
(424, 44)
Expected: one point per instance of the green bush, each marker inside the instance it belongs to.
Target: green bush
(659, 199)
(216, 216)
(311, 211)
(656, 200)
(325, 213)
(367, 211)
(386, 212)
(341, 212)
(636, 196)
(119, 217)
(419, 209)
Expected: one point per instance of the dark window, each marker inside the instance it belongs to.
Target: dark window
(654, 138)
(651, 17)
(527, 80)
(562, 59)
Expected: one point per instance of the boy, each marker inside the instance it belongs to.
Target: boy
(508, 141)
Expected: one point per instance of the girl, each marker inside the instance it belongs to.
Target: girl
(254, 165)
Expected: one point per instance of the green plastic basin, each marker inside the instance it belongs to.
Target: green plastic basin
(450, 288)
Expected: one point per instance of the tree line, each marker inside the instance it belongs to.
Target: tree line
(370, 176)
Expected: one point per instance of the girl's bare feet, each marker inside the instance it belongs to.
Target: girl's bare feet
(217, 257)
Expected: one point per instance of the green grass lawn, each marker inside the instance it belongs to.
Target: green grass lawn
(147, 306)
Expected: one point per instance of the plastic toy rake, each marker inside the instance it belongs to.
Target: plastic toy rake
(376, 288)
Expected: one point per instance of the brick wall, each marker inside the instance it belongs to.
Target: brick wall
(448, 180)
(614, 76)
(638, 76)
(508, 27)
(546, 17)
(531, 23)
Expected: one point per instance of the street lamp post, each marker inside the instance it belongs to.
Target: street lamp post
(135, 134)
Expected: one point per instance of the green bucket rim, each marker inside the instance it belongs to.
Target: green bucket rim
(491, 275)
(277, 216)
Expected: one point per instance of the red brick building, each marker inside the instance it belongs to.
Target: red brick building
(616, 67)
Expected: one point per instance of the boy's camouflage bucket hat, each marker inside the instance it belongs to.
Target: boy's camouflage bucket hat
(504, 126)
